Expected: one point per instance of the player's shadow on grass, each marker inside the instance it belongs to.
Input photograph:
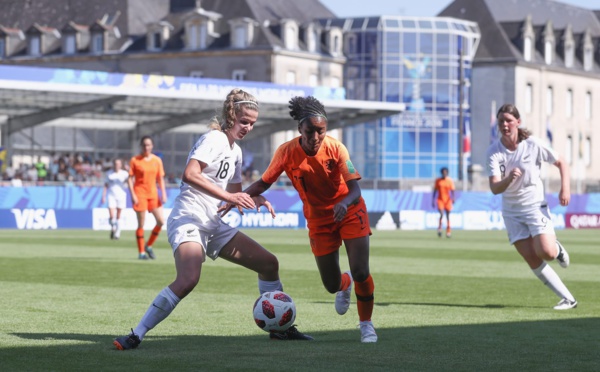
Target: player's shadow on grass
(559, 344)
(440, 304)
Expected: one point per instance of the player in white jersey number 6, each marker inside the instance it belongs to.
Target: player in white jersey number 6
(213, 174)
(514, 167)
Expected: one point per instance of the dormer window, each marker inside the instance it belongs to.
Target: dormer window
(528, 38)
(569, 55)
(70, 44)
(289, 29)
(2, 48)
(34, 46)
(158, 34)
(200, 28)
(588, 59)
(548, 43)
(548, 52)
(242, 32)
(97, 45)
(527, 46)
(239, 37)
(588, 51)
(334, 41)
(312, 36)
(569, 47)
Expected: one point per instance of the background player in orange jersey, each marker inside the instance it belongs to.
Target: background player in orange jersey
(321, 171)
(444, 189)
(145, 171)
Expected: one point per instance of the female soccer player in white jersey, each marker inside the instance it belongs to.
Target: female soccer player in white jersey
(115, 194)
(213, 174)
(514, 164)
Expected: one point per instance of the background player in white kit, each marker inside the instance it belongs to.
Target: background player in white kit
(115, 193)
(213, 174)
(514, 165)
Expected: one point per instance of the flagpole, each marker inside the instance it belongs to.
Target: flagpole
(461, 160)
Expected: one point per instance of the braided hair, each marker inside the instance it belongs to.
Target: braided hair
(302, 108)
(233, 104)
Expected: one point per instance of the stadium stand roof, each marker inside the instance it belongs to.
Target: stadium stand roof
(149, 104)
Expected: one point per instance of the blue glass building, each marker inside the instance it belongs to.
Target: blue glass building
(416, 61)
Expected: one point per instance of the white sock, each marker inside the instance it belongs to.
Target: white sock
(160, 308)
(118, 228)
(266, 286)
(551, 280)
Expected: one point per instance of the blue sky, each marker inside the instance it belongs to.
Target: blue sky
(421, 8)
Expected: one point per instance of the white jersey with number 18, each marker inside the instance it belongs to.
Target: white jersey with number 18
(224, 165)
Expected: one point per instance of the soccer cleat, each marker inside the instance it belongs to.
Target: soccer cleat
(367, 332)
(290, 334)
(439, 232)
(142, 256)
(448, 234)
(112, 234)
(342, 298)
(566, 304)
(150, 252)
(563, 257)
(128, 342)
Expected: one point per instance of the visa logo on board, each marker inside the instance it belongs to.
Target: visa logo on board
(35, 219)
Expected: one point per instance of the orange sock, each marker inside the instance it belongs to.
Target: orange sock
(345, 282)
(364, 298)
(154, 235)
(139, 235)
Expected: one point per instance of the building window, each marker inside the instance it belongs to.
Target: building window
(569, 149)
(351, 46)
(549, 101)
(239, 40)
(197, 74)
(97, 43)
(155, 40)
(587, 151)
(311, 39)
(203, 36)
(238, 75)
(588, 105)
(2, 48)
(569, 103)
(527, 49)
(548, 52)
(569, 55)
(34, 46)
(529, 98)
(372, 92)
(587, 59)
(291, 35)
(70, 45)
(290, 78)
(193, 37)
(336, 44)
(313, 80)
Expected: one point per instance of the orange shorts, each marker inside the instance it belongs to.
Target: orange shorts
(147, 204)
(444, 205)
(326, 238)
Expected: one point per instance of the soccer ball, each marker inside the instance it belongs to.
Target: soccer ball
(274, 311)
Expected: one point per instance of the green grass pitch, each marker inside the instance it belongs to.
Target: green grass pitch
(468, 303)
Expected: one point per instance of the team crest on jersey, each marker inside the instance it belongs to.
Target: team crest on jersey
(329, 163)
(350, 166)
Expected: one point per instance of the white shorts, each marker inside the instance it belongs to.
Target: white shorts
(114, 201)
(529, 223)
(212, 241)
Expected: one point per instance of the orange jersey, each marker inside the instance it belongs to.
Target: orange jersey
(443, 186)
(146, 173)
(320, 180)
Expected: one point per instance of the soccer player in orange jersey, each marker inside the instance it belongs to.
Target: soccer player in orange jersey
(145, 171)
(444, 189)
(321, 171)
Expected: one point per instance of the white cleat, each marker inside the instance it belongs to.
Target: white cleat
(566, 304)
(367, 332)
(342, 298)
(563, 257)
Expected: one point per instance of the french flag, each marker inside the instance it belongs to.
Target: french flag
(467, 138)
